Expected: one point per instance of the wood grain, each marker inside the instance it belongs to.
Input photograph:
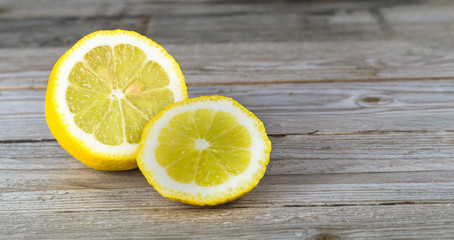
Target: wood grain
(343, 108)
(349, 222)
(200, 8)
(169, 23)
(292, 62)
(294, 154)
(221, 21)
(404, 46)
(356, 96)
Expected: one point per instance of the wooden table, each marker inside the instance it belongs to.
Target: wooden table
(357, 98)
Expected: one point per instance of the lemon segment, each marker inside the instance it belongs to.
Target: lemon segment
(186, 164)
(202, 117)
(150, 102)
(110, 129)
(150, 77)
(80, 98)
(210, 171)
(204, 151)
(89, 119)
(134, 121)
(129, 60)
(167, 154)
(83, 77)
(104, 90)
(101, 61)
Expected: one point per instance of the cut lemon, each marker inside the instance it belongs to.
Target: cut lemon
(103, 91)
(204, 151)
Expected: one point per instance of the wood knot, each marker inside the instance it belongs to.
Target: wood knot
(374, 101)
(325, 236)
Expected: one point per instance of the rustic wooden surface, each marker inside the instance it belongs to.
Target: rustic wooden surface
(357, 98)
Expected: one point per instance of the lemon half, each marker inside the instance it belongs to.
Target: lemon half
(204, 151)
(103, 91)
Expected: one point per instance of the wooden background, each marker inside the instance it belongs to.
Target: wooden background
(357, 98)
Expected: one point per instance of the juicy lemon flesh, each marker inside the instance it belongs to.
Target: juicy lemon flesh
(204, 147)
(115, 91)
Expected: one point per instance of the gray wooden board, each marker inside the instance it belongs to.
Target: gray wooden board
(343, 108)
(356, 97)
(222, 21)
(326, 61)
(12, 9)
(293, 154)
(340, 222)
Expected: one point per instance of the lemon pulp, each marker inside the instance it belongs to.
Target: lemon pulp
(115, 91)
(204, 147)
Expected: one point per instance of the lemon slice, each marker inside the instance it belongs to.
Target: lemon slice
(204, 151)
(103, 91)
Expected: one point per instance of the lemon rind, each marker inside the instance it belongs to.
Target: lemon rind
(59, 127)
(189, 198)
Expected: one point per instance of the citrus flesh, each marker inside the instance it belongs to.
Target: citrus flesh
(115, 92)
(204, 151)
(104, 90)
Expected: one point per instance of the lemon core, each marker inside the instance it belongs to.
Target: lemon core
(201, 144)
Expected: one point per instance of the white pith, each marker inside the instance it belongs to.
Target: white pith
(169, 185)
(201, 144)
(62, 83)
(117, 94)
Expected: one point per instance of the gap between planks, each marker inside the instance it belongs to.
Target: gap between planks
(275, 135)
(119, 194)
(232, 206)
(280, 82)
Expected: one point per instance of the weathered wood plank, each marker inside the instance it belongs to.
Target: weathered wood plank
(295, 154)
(344, 108)
(346, 222)
(12, 9)
(45, 192)
(27, 127)
(115, 189)
(314, 170)
(347, 59)
(64, 31)
(208, 64)
(222, 21)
